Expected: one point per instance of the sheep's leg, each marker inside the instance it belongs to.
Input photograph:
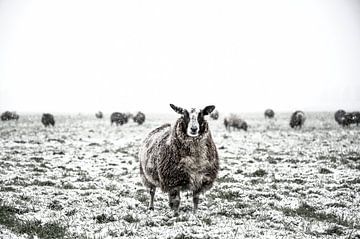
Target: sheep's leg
(174, 200)
(152, 194)
(196, 200)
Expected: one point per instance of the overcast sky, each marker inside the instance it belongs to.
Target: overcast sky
(84, 56)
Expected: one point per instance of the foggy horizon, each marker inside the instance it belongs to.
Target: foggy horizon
(85, 56)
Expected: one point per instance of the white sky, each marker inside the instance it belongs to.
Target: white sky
(82, 56)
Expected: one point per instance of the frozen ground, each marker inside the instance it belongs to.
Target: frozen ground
(81, 180)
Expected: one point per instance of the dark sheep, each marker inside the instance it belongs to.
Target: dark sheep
(7, 115)
(215, 115)
(180, 157)
(339, 116)
(139, 118)
(47, 120)
(350, 118)
(356, 117)
(118, 118)
(297, 119)
(99, 115)
(269, 114)
(235, 122)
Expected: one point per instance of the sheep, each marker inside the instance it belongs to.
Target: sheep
(118, 118)
(7, 115)
(47, 119)
(180, 157)
(139, 118)
(99, 115)
(215, 115)
(269, 114)
(235, 122)
(339, 116)
(350, 118)
(356, 117)
(297, 119)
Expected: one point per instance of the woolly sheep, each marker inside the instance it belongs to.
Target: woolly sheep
(118, 118)
(235, 122)
(180, 157)
(297, 119)
(139, 118)
(47, 119)
(269, 113)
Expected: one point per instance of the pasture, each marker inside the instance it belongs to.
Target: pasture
(80, 179)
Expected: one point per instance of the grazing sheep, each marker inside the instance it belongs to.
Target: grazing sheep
(99, 115)
(139, 118)
(7, 115)
(339, 116)
(118, 118)
(215, 115)
(297, 119)
(269, 114)
(180, 157)
(356, 117)
(235, 122)
(350, 118)
(48, 119)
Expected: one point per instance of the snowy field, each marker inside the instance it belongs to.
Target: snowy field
(81, 179)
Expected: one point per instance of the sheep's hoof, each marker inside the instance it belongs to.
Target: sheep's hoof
(151, 208)
(176, 213)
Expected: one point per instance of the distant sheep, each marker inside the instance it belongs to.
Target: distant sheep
(180, 157)
(235, 122)
(139, 118)
(339, 116)
(297, 119)
(215, 115)
(269, 114)
(99, 115)
(347, 118)
(118, 118)
(48, 119)
(350, 118)
(7, 115)
(356, 117)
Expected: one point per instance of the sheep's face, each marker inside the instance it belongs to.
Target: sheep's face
(194, 123)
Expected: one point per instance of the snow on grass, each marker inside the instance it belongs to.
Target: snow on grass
(80, 179)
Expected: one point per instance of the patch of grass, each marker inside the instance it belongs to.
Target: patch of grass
(141, 197)
(259, 173)
(334, 230)
(70, 213)
(68, 186)
(226, 179)
(43, 183)
(55, 205)
(184, 236)
(102, 218)
(324, 171)
(7, 189)
(229, 195)
(32, 228)
(130, 218)
(207, 220)
(307, 211)
(37, 159)
(40, 170)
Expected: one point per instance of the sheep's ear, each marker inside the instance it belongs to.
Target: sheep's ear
(208, 109)
(177, 109)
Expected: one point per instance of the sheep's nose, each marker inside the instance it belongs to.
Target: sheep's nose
(193, 129)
